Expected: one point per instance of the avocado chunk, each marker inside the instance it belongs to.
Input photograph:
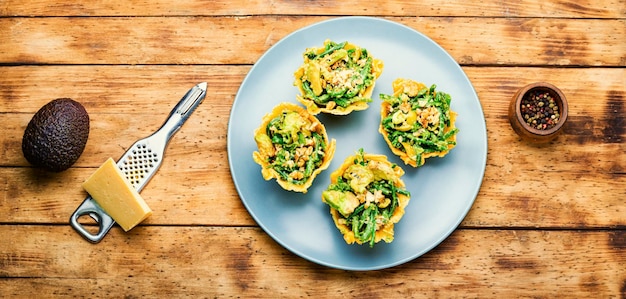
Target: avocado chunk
(56, 135)
(359, 177)
(292, 123)
(344, 202)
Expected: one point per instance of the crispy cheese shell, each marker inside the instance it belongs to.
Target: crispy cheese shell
(260, 157)
(399, 87)
(386, 232)
(313, 108)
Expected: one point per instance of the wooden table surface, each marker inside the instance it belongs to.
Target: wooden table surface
(548, 221)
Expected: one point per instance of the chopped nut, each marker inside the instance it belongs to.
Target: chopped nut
(405, 107)
(296, 175)
(290, 163)
(428, 116)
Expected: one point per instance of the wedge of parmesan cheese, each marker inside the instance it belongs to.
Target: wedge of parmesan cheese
(117, 197)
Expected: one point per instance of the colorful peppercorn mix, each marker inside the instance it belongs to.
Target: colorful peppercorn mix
(540, 110)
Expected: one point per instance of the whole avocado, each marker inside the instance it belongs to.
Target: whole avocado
(56, 135)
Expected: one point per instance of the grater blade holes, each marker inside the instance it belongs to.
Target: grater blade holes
(137, 166)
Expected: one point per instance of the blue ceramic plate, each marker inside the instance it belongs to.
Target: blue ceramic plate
(442, 191)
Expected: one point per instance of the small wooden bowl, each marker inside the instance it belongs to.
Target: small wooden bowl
(522, 128)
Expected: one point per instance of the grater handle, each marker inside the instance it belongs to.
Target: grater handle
(181, 112)
(190, 101)
(90, 207)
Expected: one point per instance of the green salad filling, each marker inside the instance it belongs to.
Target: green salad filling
(337, 74)
(366, 196)
(295, 148)
(420, 123)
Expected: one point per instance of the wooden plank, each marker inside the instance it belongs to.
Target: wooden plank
(200, 40)
(53, 260)
(509, 8)
(556, 200)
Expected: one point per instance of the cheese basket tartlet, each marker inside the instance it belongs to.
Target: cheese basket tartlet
(366, 198)
(337, 78)
(416, 122)
(293, 147)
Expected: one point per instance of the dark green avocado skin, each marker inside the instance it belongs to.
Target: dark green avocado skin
(56, 135)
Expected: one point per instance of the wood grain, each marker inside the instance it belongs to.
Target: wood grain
(210, 262)
(548, 220)
(507, 8)
(196, 40)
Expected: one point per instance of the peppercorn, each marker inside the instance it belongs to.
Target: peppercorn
(540, 110)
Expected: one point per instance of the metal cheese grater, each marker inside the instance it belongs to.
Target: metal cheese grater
(140, 162)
